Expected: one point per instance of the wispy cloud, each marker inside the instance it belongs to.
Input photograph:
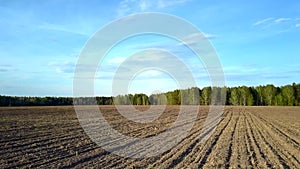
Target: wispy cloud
(116, 60)
(167, 3)
(194, 38)
(281, 20)
(275, 76)
(271, 22)
(210, 36)
(260, 22)
(132, 6)
(150, 60)
(296, 71)
(5, 65)
(5, 68)
(63, 67)
(61, 28)
(246, 73)
(247, 78)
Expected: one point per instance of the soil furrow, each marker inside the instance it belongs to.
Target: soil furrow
(272, 157)
(258, 155)
(280, 132)
(245, 137)
(277, 144)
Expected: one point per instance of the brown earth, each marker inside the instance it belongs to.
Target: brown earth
(246, 137)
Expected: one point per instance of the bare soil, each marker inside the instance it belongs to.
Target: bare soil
(246, 137)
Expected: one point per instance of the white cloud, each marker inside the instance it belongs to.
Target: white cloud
(132, 6)
(59, 70)
(144, 5)
(69, 67)
(167, 3)
(116, 60)
(281, 20)
(61, 28)
(284, 24)
(62, 67)
(150, 73)
(194, 38)
(124, 8)
(262, 21)
(210, 36)
(246, 68)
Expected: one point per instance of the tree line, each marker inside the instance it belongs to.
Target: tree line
(267, 95)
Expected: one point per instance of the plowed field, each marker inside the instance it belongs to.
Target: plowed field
(246, 137)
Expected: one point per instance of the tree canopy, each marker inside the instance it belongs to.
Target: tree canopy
(268, 95)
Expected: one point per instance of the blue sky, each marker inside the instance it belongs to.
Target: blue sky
(40, 41)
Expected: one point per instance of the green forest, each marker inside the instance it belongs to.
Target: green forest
(267, 95)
